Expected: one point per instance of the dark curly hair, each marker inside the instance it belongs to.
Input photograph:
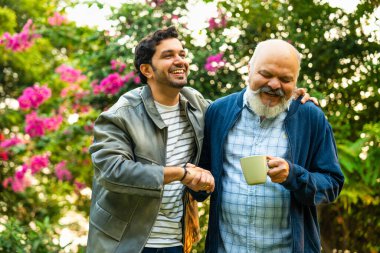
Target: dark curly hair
(146, 48)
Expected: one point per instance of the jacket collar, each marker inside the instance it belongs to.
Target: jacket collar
(186, 99)
(147, 99)
(240, 100)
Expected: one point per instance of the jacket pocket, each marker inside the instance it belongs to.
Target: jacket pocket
(108, 223)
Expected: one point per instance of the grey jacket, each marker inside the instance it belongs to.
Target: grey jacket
(128, 155)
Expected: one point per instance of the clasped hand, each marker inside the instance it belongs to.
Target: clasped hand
(198, 179)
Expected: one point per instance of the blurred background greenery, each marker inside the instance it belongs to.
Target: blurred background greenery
(340, 67)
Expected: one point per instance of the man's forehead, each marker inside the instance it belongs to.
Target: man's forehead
(171, 44)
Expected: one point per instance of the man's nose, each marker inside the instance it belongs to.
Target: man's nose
(274, 83)
(179, 61)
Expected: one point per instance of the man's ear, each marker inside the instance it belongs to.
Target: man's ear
(146, 70)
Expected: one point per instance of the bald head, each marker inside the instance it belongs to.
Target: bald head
(275, 48)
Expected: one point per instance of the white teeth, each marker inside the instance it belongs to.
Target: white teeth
(180, 71)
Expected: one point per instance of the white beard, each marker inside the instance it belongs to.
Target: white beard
(262, 110)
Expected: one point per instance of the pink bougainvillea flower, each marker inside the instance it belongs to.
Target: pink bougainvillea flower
(79, 185)
(53, 123)
(217, 22)
(96, 89)
(20, 184)
(214, 62)
(3, 156)
(7, 182)
(113, 83)
(38, 162)
(19, 174)
(20, 181)
(118, 65)
(137, 80)
(69, 74)
(34, 125)
(62, 173)
(70, 89)
(57, 19)
(110, 84)
(129, 76)
(33, 97)
(37, 126)
(10, 142)
(155, 3)
(89, 127)
(20, 41)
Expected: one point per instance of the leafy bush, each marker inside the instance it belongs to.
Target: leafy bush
(37, 237)
(45, 133)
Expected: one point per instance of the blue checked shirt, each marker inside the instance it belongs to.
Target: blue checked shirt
(254, 218)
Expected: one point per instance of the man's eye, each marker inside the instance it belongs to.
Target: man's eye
(285, 80)
(267, 75)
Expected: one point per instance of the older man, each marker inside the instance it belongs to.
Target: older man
(263, 119)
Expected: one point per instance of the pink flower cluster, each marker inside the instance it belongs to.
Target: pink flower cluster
(172, 18)
(113, 83)
(118, 65)
(23, 177)
(10, 142)
(218, 22)
(78, 94)
(33, 97)
(214, 62)
(62, 173)
(79, 185)
(57, 19)
(38, 162)
(3, 154)
(20, 41)
(155, 3)
(36, 126)
(69, 74)
(132, 76)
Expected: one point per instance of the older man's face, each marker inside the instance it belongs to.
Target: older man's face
(275, 73)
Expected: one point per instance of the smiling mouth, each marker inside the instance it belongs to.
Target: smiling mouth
(271, 94)
(178, 71)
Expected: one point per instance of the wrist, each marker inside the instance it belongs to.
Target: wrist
(185, 172)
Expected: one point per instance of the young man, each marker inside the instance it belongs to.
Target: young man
(263, 119)
(143, 154)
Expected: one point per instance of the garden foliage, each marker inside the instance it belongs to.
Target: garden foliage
(56, 77)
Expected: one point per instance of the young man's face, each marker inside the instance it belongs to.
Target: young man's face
(169, 64)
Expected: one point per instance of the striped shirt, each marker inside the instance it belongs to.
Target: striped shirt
(254, 218)
(167, 230)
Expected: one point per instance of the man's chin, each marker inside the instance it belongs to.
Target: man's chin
(178, 85)
(268, 110)
(271, 101)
